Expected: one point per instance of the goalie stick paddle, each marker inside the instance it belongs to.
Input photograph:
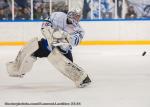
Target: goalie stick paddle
(144, 53)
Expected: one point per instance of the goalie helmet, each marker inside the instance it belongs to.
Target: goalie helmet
(74, 15)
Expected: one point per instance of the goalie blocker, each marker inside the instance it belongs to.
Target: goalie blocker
(62, 61)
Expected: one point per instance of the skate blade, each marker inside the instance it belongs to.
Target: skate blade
(84, 85)
(17, 76)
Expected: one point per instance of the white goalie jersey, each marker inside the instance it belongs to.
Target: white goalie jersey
(58, 22)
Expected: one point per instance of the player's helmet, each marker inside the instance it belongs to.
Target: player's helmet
(74, 15)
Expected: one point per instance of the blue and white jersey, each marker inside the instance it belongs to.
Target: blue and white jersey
(58, 20)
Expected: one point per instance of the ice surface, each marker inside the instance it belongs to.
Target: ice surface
(120, 78)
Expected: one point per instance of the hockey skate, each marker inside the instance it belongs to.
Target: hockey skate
(85, 82)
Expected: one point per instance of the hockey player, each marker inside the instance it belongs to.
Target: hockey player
(61, 32)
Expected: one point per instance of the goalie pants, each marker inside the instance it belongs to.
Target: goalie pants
(44, 50)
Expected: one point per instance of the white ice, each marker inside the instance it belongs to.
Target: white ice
(120, 78)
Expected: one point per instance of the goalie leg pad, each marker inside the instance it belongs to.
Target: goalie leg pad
(24, 61)
(18, 71)
(66, 67)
